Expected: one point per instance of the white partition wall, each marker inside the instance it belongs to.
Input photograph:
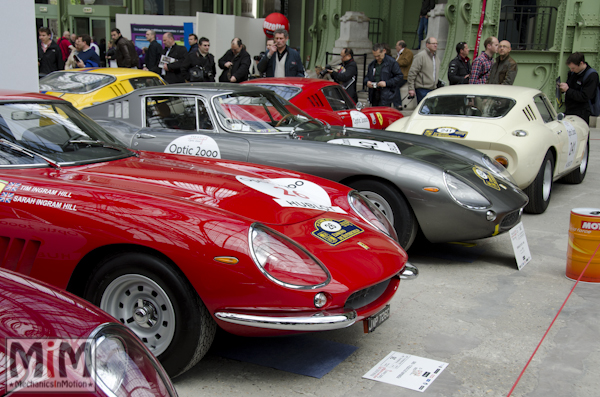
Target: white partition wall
(19, 69)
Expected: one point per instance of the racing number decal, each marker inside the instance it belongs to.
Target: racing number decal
(572, 149)
(334, 232)
(287, 191)
(487, 178)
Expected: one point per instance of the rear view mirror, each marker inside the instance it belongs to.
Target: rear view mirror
(24, 115)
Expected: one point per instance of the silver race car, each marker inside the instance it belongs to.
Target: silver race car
(448, 191)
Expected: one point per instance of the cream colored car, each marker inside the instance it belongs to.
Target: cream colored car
(517, 126)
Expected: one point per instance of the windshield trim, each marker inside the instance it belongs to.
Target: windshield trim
(129, 153)
(113, 79)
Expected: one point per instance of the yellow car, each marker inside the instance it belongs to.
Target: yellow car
(89, 86)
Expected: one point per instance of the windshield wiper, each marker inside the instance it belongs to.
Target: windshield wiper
(29, 153)
(91, 142)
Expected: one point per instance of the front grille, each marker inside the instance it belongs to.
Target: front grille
(510, 219)
(368, 295)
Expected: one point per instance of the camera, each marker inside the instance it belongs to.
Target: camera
(259, 57)
(323, 72)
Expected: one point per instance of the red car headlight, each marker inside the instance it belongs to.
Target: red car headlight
(370, 213)
(285, 262)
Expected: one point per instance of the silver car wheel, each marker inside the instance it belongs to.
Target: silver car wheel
(141, 304)
(547, 183)
(380, 203)
(584, 161)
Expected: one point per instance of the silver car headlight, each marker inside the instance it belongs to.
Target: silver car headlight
(497, 169)
(464, 194)
(371, 214)
(123, 366)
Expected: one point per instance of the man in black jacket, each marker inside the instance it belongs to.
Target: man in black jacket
(579, 91)
(347, 75)
(281, 60)
(203, 59)
(459, 69)
(383, 76)
(49, 55)
(193, 42)
(171, 70)
(154, 51)
(235, 63)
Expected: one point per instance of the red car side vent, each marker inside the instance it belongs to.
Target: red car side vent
(18, 254)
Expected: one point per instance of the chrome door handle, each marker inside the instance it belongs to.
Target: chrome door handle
(143, 135)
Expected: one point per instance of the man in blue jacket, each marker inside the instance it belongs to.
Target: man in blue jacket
(281, 60)
(383, 76)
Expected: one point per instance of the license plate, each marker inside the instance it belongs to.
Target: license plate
(376, 320)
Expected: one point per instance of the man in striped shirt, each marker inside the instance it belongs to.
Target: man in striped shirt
(480, 70)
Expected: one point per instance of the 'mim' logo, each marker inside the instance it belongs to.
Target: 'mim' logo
(590, 225)
(49, 365)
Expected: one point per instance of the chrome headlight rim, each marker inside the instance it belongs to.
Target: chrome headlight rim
(498, 169)
(469, 186)
(356, 195)
(260, 227)
(122, 333)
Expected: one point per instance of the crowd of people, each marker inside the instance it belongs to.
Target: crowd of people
(384, 76)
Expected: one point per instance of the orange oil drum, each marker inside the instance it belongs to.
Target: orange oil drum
(584, 238)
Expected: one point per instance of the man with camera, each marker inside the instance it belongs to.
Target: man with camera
(199, 65)
(383, 76)
(348, 73)
(424, 73)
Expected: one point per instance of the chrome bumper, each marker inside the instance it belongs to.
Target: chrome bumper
(319, 322)
(410, 272)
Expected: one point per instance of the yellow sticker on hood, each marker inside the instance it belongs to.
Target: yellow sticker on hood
(487, 178)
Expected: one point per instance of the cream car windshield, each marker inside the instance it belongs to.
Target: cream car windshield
(55, 131)
(484, 106)
(261, 113)
(74, 82)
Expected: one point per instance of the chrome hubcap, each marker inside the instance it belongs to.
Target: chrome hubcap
(380, 203)
(584, 161)
(547, 183)
(142, 305)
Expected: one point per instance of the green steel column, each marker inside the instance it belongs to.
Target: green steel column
(237, 8)
(302, 27)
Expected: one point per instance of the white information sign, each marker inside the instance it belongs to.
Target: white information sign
(194, 145)
(405, 370)
(572, 144)
(291, 192)
(520, 246)
(367, 144)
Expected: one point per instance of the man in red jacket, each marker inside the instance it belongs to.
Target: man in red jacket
(64, 42)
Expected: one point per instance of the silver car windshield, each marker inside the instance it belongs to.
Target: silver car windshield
(55, 131)
(261, 113)
(75, 82)
(485, 106)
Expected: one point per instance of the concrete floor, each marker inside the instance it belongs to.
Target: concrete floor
(484, 318)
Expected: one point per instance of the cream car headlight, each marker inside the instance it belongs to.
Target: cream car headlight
(123, 366)
(464, 194)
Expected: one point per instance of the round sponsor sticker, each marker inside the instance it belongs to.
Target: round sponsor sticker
(292, 192)
(194, 145)
(331, 226)
(359, 119)
(481, 173)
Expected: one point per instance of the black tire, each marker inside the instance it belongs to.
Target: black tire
(170, 307)
(394, 206)
(540, 190)
(578, 174)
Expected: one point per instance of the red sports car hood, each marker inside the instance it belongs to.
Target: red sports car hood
(264, 194)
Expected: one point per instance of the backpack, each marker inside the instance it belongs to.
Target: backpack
(595, 101)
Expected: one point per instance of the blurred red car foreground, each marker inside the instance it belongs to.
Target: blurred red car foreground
(53, 342)
(328, 101)
(175, 246)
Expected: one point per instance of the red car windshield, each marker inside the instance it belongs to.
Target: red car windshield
(54, 130)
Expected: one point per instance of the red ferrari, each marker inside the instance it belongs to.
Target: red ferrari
(175, 246)
(328, 101)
